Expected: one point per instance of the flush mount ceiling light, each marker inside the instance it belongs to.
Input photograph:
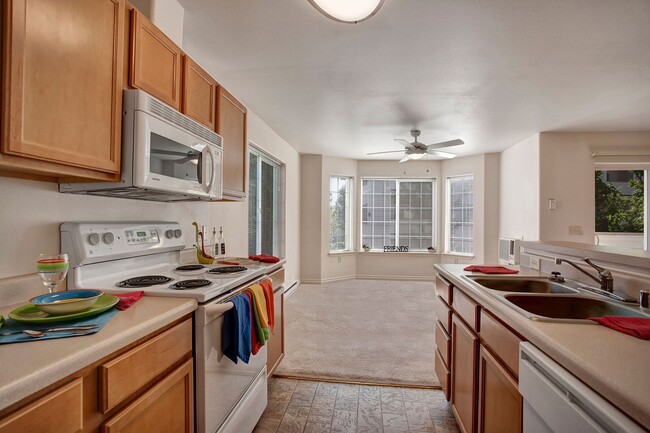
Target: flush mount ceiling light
(348, 11)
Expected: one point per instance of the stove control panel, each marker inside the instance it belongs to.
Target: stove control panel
(87, 243)
(142, 236)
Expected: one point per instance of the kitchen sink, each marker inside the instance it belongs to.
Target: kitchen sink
(521, 285)
(543, 307)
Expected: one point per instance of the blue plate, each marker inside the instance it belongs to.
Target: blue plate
(68, 295)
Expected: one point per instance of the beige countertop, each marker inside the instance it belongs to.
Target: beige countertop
(29, 367)
(614, 364)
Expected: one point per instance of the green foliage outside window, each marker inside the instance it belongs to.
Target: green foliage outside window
(616, 212)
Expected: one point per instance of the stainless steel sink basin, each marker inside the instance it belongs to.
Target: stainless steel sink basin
(569, 307)
(521, 285)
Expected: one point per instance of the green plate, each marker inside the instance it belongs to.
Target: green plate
(31, 314)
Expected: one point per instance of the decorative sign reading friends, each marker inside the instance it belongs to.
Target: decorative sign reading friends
(396, 249)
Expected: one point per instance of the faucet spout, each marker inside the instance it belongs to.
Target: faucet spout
(604, 278)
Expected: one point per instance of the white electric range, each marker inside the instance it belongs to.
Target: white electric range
(128, 256)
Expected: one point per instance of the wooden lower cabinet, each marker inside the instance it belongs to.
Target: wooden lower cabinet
(275, 352)
(500, 404)
(464, 358)
(86, 400)
(165, 408)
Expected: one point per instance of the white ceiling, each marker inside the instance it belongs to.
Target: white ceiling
(491, 72)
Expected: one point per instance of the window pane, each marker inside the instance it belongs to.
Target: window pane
(263, 205)
(460, 215)
(340, 231)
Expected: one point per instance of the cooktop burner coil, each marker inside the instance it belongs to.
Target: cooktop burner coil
(144, 281)
(190, 284)
(189, 268)
(227, 269)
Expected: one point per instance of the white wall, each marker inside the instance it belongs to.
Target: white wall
(311, 169)
(519, 191)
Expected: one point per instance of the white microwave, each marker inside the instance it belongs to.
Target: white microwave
(166, 156)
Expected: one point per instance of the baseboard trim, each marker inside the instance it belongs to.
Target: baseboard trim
(430, 278)
(291, 288)
(328, 280)
(354, 382)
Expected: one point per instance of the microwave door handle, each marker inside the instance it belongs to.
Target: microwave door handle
(210, 167)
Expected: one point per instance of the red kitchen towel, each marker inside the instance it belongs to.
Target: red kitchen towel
(638, 327)
(491, 269)
(265, 258)
(128, 299)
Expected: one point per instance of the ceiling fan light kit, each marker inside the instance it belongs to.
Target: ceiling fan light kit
(348, 11)
(417, 150)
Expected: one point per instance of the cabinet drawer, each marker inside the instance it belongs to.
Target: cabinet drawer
(501, 341)
(277, 277)
(444, 376)
(443, 313)
(444, 289)
(167, 407)
(443, 342)
(129, 372)
(466, 308)
(58, 412)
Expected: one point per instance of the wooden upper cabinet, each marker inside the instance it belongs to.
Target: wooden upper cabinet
(199, 93)
(231, 125)
(155, 62)
(62, 88)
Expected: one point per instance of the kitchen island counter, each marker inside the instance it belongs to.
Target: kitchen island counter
(612, 363)
(31, 366)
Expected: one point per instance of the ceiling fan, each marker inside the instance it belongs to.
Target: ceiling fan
(417, 150)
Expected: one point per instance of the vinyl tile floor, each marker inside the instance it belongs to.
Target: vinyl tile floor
(314, 407)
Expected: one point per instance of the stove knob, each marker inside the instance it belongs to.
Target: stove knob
(94, 239)
(169, 234)
(108, 238)
(178, 233)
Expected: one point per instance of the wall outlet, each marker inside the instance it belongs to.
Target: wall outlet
(534, 263)
(552, 204)
(339, 257)
(575, 230)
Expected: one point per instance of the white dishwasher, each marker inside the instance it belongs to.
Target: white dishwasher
(556, 401)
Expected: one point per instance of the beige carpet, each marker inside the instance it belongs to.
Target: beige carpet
(379, 332)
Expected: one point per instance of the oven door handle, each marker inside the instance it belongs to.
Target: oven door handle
(218, 309)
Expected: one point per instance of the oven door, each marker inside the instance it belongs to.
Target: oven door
(167, 158)
(229, 397)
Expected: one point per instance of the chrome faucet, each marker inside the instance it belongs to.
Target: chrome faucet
(604, 278)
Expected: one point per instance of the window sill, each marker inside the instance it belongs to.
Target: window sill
(465, 256)
(397, 253)
(341, 253)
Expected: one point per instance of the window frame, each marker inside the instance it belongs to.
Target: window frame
(278, 199)
(448, 212)
(349, 200)
(434, 211)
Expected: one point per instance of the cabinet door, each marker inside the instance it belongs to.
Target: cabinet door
(276, 343)
(167, 407)
(464, 346)
(199, 93)
(155, 64)
(62, 87)
(500, 404)
(231, 125)
(58, 412)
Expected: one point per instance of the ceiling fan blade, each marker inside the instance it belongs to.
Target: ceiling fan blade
(446, 144)
(406, 158)
(388, 151)
(446, 155)
(403, 142)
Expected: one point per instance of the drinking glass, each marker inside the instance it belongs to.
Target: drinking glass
(52, 269)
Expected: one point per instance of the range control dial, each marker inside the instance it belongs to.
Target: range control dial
(169, 234)
(178, 233)
(94, 239)
(108, 238)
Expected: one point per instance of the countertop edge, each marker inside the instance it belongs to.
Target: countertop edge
(618, 394)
